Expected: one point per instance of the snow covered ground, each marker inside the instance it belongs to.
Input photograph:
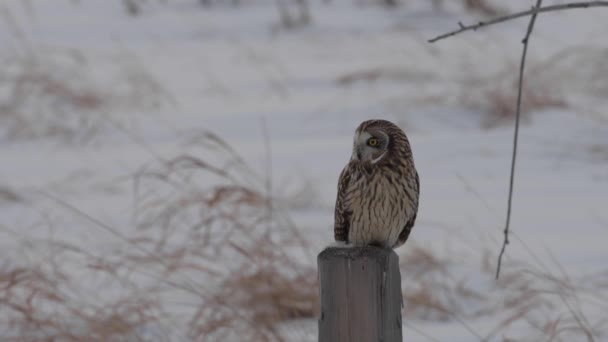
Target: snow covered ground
(288, 102)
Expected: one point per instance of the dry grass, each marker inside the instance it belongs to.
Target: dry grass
(570, 79)
(58, 95)
(433, 293)
(38, 306)
(559, 81)
(496, 96)
(266, 289)
(212, 259)
(498, 102)
(8, 195)
(207, 232)
(527, 303)
(248, 255)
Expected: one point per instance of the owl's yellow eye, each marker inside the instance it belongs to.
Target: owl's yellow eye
(372, 142)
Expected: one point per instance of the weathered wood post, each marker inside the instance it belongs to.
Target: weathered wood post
(360, 295)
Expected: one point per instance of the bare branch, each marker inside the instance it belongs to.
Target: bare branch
(522, 64)
(533, 12)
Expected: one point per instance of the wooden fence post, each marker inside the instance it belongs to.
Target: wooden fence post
(360, 295)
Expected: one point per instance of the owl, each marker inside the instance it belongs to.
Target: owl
(378, 189)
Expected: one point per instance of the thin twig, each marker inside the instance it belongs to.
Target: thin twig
(522, 64)
(533, 12)
(268, 180)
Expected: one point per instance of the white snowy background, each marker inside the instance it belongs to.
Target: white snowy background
(106, 236)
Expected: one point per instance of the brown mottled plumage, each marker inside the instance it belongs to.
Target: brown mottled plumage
(378, 189)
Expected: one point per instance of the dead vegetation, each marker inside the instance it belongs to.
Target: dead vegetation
(496, 97)
(59, 96)
(8, 195)
(208, 237)
(208, 234)
(265, 290)
(566, 80)
(547, 305)
(483, 7)
(545, 87)
(256, 265)
(38, 305)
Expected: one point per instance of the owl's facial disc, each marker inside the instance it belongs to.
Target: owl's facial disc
(370, 146)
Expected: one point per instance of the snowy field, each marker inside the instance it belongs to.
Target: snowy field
(170, 176)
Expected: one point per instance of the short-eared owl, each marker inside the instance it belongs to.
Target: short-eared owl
(378, 189)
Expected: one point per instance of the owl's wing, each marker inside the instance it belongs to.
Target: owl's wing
(405, 233)
(342, 212)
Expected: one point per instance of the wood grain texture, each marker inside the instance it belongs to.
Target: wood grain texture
(360, 295)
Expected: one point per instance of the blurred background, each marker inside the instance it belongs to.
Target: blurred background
(168, 168)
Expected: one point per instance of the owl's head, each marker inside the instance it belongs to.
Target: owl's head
(373, 139)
